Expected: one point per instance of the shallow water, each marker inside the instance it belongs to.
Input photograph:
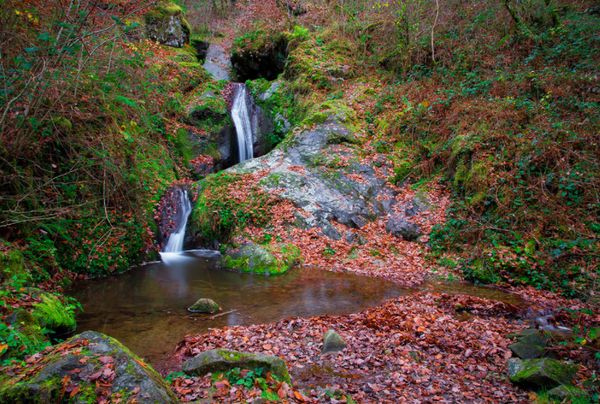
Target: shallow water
(145, 308)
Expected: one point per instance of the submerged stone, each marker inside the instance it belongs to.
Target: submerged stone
(540, 373)
(223, 360)
(204, 305)
(332, 342)
(260, 259)
(85, 361)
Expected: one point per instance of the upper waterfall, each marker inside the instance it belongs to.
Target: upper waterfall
(175, 242)
(241, 116)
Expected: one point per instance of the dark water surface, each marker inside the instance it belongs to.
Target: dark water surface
(145, 308)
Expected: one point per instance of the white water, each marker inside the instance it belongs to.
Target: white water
(240, 113)
(175, 242)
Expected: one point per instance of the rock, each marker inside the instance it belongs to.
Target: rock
(201, 48)
(223, 360)
(217, 62)
(400, 227)
(258, 259)
(259, 55)
(540, 373)
(332, 342)
(563, 393)
(204, 305)
(531, 343)
(85, 360)
(300, 172)
(166, 24)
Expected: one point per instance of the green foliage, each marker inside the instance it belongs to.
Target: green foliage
(216, 216)
(54, 316)
(257, 377)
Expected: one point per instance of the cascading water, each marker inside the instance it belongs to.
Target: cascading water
(241, 116)
(175, 242)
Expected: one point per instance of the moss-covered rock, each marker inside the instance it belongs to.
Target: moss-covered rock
(167, 25)
(333, 342)
(204, 305)
(540, 373)
(259, 54)
(530, 344)
(567, 393)
(223, 360)
(12, 263)
(262, 259)
(86, 368)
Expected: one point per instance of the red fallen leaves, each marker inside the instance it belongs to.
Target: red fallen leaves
(413, 348)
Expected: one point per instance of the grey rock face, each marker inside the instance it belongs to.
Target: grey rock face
(131, 378)
(217, 62)
(223, 360)
(400, 227)
(301, 171)
(167, 29)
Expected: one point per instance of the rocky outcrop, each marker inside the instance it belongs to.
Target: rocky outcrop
(400, 227)
(309, 170)
(530, 344)
(167, 25)
(89, 367)
(204, 305)
(224, 360)
(217, 62)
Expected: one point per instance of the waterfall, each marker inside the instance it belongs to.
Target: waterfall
(240, 113)
(175, 242)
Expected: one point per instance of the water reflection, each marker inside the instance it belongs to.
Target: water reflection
(146, 308)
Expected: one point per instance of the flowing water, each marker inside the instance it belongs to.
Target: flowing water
(174, 247)
(146, 308)
(240, 114)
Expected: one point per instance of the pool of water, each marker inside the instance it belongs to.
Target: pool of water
(145, 308)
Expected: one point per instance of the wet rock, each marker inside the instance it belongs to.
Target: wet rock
(204, 305)
(531, 343)
(201, 48)
(332, 342)
(166, 24)
(563, 393)
(224, 360)
(540, 373)
(87, 359)
(400, 227)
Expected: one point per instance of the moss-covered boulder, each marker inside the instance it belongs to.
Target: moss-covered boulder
(89, 367)
(540, 373)
(222, 360)
(12, 263)
(259, 54)
(204, 305)
(167, 25)
(262, 259)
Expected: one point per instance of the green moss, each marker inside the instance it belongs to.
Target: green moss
(12, 263)
(270, 259)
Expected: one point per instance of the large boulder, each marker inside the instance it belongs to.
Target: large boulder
(223, 360)
(167, 25)
(89, 367)
(540, 373)
(269, 259)
(308, 170)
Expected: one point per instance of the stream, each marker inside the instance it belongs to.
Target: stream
(146, 308)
